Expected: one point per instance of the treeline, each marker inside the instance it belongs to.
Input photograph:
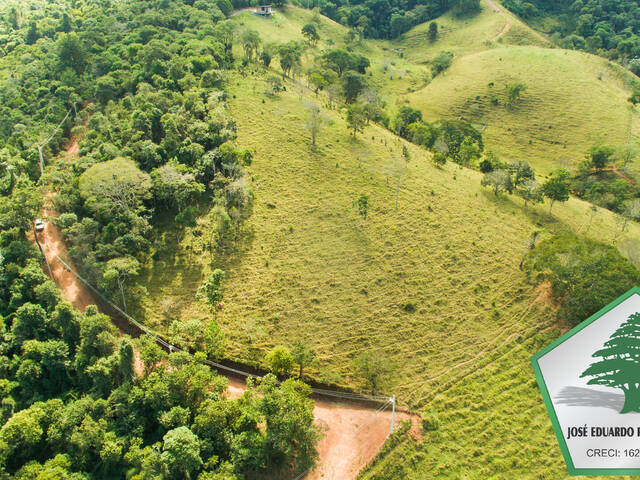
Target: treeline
(391, 18)
(455, 140)
(147, 82)
(156, 136)
(598, 274)
(610, 29)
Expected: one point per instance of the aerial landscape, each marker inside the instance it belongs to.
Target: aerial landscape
(244, 240)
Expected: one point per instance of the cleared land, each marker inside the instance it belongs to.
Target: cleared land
(573, 99)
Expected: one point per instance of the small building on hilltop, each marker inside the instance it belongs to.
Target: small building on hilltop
(264, 10)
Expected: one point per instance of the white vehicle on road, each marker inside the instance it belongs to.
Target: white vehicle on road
(39, 225)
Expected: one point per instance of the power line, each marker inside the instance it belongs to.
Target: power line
(51, 137)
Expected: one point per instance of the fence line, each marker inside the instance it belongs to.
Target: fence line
(43, 144)
(173, 348)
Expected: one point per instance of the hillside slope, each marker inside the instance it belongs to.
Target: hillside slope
(434, 285)
(573, 99)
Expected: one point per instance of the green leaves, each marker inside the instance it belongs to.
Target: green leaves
(211, 287)
(585, 275)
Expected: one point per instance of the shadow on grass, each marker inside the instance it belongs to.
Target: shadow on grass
(539, 218)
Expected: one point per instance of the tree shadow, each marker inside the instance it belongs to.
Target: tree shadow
(587, 397)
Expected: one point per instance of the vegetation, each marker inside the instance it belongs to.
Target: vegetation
(389, 19)
(609, 29)
(598, 274)
(368, 159)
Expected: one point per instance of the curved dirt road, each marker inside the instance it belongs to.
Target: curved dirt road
(51, 241)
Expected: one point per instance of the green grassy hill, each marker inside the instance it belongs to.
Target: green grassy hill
(573, 100)
(434, 285)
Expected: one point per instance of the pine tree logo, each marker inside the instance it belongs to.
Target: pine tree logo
(619, 366)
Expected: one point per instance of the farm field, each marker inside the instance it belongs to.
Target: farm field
(433, 285)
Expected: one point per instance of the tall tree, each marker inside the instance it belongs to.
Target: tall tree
(433, 32)
(374, 368)
(303, 356)
(280, 360)
(310, 32)
(289, 54)
(315, 120)
(356, 118)
(250, 43)
(556, 188)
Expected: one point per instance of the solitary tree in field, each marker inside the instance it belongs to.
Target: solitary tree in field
(399, 172)
(514, 91)
(315, 120)
(356, 118)
(211, 288)
(556, 189)
(433, 31)
(362, 204)
(303, 356)
(310, 32)
(619, 364)
(374, 368)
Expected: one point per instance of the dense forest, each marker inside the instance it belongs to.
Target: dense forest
(609, 28)
(390, 18)
(142, 84)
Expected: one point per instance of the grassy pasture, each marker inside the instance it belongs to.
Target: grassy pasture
(434, 285)
(573, 101)
(308, 267)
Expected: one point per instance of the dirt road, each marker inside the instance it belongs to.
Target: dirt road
(53, 246)
(507, 25)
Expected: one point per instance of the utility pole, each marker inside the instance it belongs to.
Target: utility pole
(393, 412)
